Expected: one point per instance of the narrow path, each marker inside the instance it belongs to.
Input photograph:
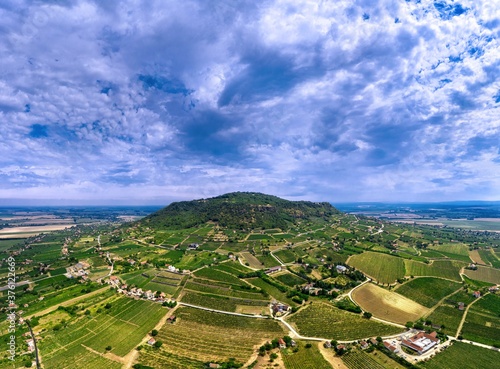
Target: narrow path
(459, 329)
(277, 259)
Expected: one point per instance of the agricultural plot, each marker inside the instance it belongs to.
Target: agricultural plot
(122, 327)
(203, 336)
(305, 358)
(469, 357)
(484, 274)
(449, 269)
(271, 291)
(267, 260)
(448, 316)
(427, 290)
(323, 320)
(476, 257)
(388, 305)
(286, 256)
(202, 286)
(289, 279)
(382, 267)
(452, 248)
(360, 360)
(251, 260)
(223, 303)
(490, 257)
(194, 260)
(217, 275)
(482, 323)
(232, 267)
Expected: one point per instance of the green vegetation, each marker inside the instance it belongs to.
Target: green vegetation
(483, 321)
(323, 320)
(468, 356)
(360, 360)
(427, 291)
(382, 267)
(238, 210)
(305, 358)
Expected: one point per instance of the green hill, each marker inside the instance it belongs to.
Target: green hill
(238, 210)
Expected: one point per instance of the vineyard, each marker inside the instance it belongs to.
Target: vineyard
(469, 357)
(359, 360)
(202, 336)
(305, 358)
(382, 267)
(427, 291)
(323, 320)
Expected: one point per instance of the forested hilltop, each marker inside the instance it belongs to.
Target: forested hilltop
(238, 210)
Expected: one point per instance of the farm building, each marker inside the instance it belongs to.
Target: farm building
(421, 342)
(476, 294)
(282, 343)
(327, 344)
(151, 341)
(171, 319)
(193, 246)
(364, 345)
(340, 268)
(273, 270)
(390, 347)
(461, 306)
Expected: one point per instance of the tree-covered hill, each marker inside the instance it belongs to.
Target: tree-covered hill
(238, 210)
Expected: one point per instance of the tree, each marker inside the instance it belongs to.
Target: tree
(158, 344)
(108, 348)
(367, 315)
(154, 332)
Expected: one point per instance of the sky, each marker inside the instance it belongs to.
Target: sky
(148, 102)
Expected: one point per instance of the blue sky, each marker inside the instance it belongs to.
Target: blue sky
(119, 102)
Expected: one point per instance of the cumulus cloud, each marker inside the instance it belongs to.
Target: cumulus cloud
(332, 100)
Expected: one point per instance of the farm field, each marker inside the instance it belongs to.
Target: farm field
(271, 290)
(382, 267)
(476, 257)
(449, 269)
(323, 320)
(482, 323)
(251, 260)
(490, 258)
(357, 359)
(305, 358)
(484, 274)
(289, 279)
(388, 305)
(448, 316)
(469, 357)
(216, 337)
(286, 256)
(427, 290)
(122, 327)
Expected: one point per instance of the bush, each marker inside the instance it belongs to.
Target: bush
(108, 348)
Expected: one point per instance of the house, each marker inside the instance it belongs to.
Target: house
(390, 347)
(31, 345)
(461, 306)
(327, 344)
(171, 319)
(340, 268)
(421, 342)
(476, 294)
(193, 246)
(279, 308)
(364, 345)
(493, 289)
(273, 269)
(151, 341)
(293, 343)
(213, 365)
(373, 341)
(340, 347)
(281, 343)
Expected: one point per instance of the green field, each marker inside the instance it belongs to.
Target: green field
(484, 274)
(290, 279)
(463, 356)
(323, 320)
(218, 275)
(305, 358)
(427, 291)
(488, 256)
(448, 316)
(482, 323)
(449, 269)
(201, 336)
(360, 360)
(122, 327)
(382, 267)
(286, 256)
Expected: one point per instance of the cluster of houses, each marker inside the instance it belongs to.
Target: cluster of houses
(421, 342)
(80, 269)
(137, 293)
(273, 270)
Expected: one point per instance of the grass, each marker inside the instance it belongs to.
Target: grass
(427, 290)
(216, 275)
(305, 358)
(382, 267)
(271, 290)
(323, 320)
(203, 336)
(286, 256)
(468, 356)
(490, 257)
(387, 305)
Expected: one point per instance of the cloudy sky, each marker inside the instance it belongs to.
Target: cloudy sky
(146, 102)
